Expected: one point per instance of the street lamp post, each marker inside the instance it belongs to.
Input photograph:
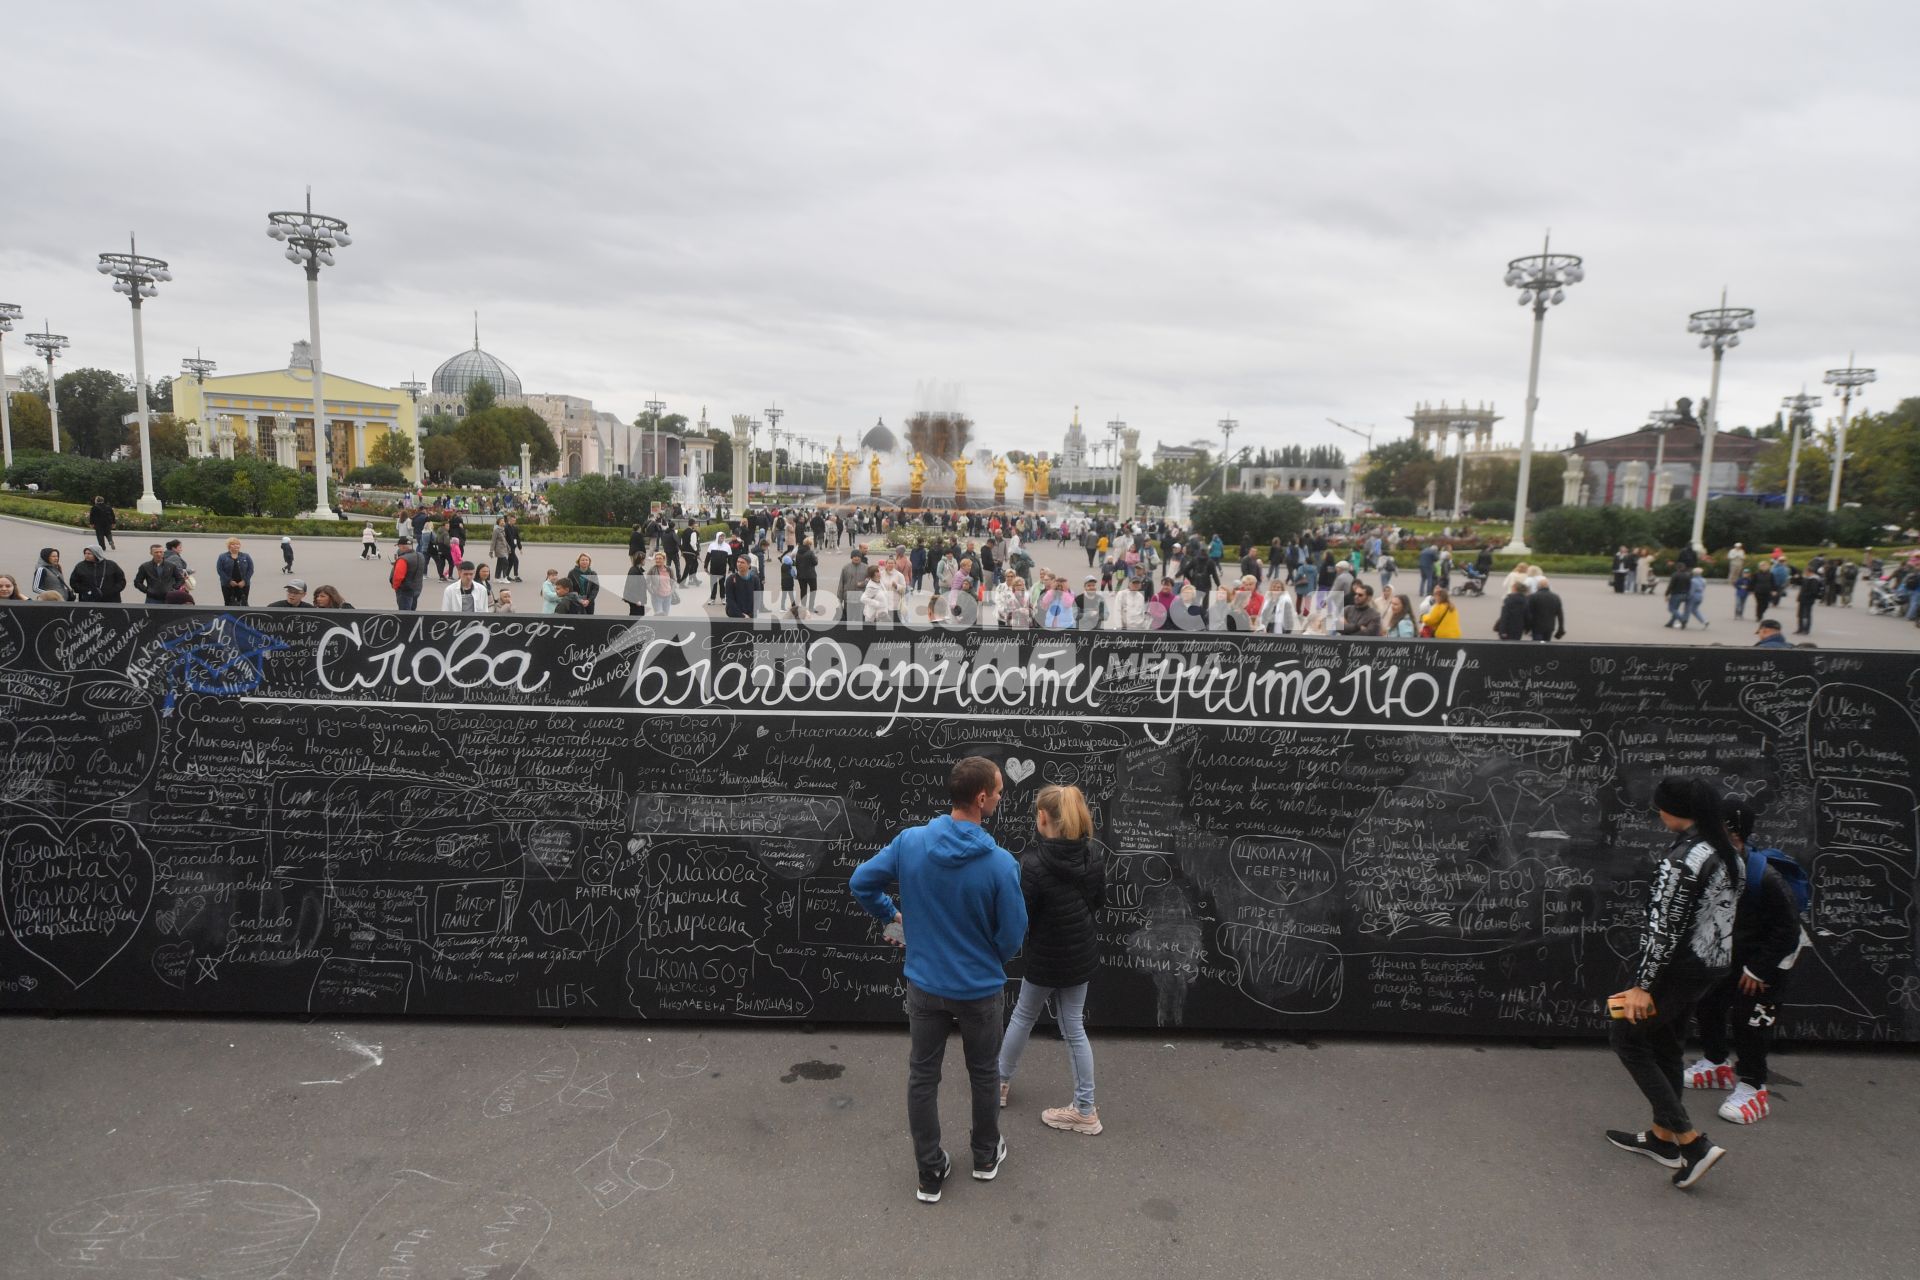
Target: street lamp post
(774, 414)
(138, 277)
(1719, 328)
(200, 367)
(415, 389)
(9, 312)
(654, 464)
(1848, 380)
(753, 446)
(50, 344)
(1463, 427)
(1799, 413)
(1114, 428)
(1542, 279)
(1227, 427)
(311, 239)
(1661, 420)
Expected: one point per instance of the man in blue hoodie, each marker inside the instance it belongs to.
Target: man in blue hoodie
(969, 919)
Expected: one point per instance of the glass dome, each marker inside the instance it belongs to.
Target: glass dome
(456, 375)
(878, 440)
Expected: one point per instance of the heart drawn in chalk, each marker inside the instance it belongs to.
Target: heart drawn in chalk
(1779, 703)
(1018, 770)
(761, 731)
(171, 961)
(73, 900)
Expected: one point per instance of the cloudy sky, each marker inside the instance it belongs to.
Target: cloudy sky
(1165, 213)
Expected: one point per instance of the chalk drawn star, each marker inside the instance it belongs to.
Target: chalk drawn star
(222, 655)
(209, 969)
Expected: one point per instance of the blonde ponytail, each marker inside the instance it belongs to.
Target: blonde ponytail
(1068, 809)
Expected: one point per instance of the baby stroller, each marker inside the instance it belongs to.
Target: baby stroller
(1882, 600)
(1472, 582)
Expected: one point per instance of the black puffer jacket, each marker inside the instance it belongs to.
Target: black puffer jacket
(1064, 883)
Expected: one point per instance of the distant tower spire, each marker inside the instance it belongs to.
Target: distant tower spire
(1076, 415)
(476, 331)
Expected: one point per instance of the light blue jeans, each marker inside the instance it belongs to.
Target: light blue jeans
(1069, 1011)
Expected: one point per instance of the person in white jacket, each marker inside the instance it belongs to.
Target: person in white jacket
(464, 595)
(1282, 616)
(1131, 605)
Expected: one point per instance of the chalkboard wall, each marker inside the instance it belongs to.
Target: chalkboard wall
(297, 812)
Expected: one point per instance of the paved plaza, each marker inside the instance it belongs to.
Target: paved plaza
(1594, 613)
(781, 1151)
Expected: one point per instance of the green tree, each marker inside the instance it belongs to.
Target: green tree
(1385, 463)
(1494, 479)
(600, 500)
(480, 397)
(492, 437)
(1883, 463)
(1188, 471)
(168, 434)
(392, 450)
(92, 404)
(443, 455)
(438, 424)
(1250, 518)
(1769, 474)
(160, 396)
(31, 423)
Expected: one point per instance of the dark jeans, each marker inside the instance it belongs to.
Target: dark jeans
(1732, 1021)
(105, 538)
(1805, 612)
(407, 600)
(1650, 1050)
(931, 1018)
(231, 595)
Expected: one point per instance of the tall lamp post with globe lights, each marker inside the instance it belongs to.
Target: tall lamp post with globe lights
(1542, 279)
(1848, 380)
(774, 414)
(1799, 415)
(138, 277)
(654, 409)
(311, 239)
(50, 344)
(1719, 328)
(1227, 427)
(9, 312)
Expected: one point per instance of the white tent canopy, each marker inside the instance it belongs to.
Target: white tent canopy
(1324, 499)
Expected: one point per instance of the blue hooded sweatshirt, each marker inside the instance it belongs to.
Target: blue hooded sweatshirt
(961, 892)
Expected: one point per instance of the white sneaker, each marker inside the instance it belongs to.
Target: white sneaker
(1747, 1105)
(1708, 1074)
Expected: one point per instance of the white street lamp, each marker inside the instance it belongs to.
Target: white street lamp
(1719, 328)
(1462, 427)
(9, 312)
(774, 414)
(1542, 279)
(1848, 380)
(311, 239)
(138, 277)
(654, 465)
(1663, 421)
(1799, 414)
(50, 344)
(1227, 427)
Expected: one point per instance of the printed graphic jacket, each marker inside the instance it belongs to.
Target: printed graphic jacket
(1690, 922)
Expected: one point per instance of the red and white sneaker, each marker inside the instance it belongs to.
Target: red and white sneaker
(1708, 1074)
(1748, 1105)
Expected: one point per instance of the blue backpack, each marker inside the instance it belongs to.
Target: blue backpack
(1758, 860)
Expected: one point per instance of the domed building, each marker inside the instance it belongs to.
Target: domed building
(879, 439)
(570, 418)
(458, 373)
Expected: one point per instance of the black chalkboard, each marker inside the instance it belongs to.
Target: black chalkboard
(309, 811)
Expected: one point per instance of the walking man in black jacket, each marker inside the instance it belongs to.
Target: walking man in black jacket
(1546, 616)
(101, 517)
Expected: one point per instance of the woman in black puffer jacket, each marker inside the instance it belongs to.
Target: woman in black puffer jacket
(1064, 883)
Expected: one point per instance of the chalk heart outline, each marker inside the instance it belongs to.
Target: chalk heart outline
(1019, 770)
(722, 727)
(1798, 709)
(13, 640)
(129, 857)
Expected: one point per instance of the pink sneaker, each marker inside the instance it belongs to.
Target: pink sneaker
(1070, 1119)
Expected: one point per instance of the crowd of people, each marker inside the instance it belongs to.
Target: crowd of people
(961, 568)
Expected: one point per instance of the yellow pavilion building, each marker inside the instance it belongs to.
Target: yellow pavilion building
(272, 412)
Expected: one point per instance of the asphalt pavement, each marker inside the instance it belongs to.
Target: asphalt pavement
(205, 1147)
